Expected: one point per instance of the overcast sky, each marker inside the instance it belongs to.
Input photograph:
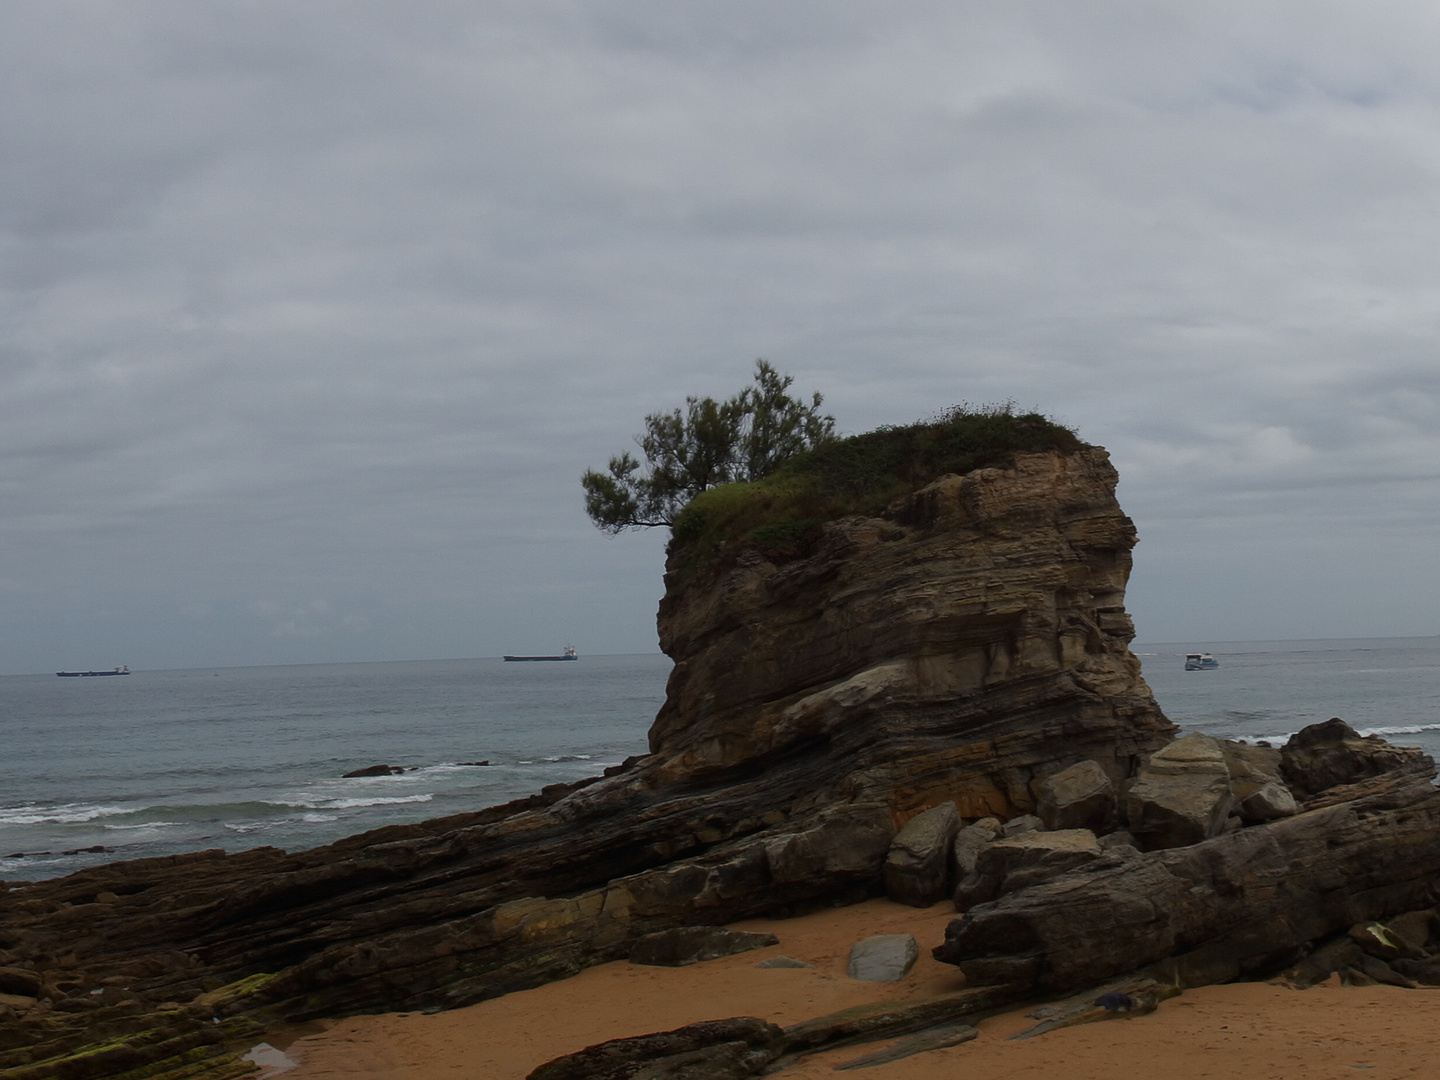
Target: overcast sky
(312, 313)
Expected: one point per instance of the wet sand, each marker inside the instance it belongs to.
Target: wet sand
(1254, 1030)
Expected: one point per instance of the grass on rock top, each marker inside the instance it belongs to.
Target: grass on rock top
(782, 514)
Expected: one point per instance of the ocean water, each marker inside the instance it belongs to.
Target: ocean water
(161, 762)
(1268, 690)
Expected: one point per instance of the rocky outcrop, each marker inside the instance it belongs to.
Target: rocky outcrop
(966, 642)
(970, 842)
(1269, 802)
(691, 944)
(1333, 754)
(883, 958)
(1250, 900)
(1182, 795)
(1080, 797)
(744, 1046)
(1017, 862)
(710, 1050)
(979, 624)
(917, 867)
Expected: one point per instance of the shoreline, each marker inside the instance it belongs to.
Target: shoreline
(1267, 1029)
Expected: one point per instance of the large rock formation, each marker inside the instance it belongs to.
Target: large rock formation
(1364, 847)
(967, 642)
(970, 640)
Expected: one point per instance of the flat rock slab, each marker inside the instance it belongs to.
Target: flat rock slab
(1137, 996)
(933, 1039)
(691, 944)
(719, 1049)
(891, 1019)
(783, 962)
(883, 958)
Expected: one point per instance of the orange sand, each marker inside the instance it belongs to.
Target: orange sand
(1251, 1030)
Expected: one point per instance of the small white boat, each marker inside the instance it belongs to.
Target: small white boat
(1200, 661)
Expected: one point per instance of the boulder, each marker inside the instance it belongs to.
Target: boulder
(1022, 824)
(690, 944)
(1415, 928)
(1269, 802)
(1079, 797)
(372, 770)
(1250, 766)
(1381, 972)
(1181, 796)
(1380, 942)
(1119, 842)
(917, 866)
(847, 842)
(970, 841)
(1422, 972)
(1330, 957)
(883, 958)
(1323, 756)
(1019, 861)
(1244, 902)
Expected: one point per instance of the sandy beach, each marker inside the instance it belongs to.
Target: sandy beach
(1256, 1030)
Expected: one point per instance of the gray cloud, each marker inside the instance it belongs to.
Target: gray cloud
(314, 314)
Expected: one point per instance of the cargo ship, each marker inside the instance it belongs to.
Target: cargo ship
(568, 654)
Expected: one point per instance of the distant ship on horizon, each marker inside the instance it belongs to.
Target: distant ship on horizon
(123, 669)
(568, 654)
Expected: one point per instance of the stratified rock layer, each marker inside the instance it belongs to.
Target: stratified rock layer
(968, 642)
(973, 637)
(1246, 901)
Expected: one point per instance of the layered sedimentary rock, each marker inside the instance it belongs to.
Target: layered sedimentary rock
(967, 643)
(1365, 846)
(972, 639)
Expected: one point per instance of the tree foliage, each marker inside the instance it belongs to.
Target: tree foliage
(708, 444)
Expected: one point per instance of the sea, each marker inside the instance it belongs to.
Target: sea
(94, 770)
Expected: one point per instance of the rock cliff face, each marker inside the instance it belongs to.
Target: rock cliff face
(966, 644)
(969, 641)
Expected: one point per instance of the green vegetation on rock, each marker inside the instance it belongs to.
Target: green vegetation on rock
(710, 444)
(781, 514)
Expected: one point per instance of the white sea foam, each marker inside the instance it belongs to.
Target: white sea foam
(144, 825)
(70, 813)
(559, 758)
(1383, 732)
(323, 803)
(1409, 729)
